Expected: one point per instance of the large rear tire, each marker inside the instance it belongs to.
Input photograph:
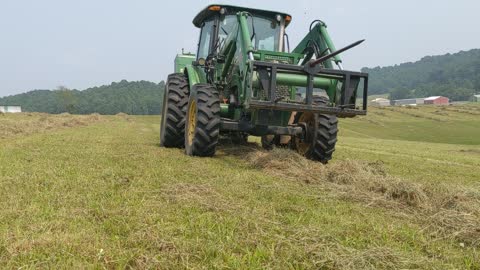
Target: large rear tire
(175, 101)
(321, 132)
(203, 121)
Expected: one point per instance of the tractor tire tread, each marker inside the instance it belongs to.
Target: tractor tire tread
(207, 128)
(325, 137)
(176, 102)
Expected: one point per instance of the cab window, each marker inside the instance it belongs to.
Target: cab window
(266, 34)
(205, 39)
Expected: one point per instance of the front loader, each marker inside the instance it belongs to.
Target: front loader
(244, 80)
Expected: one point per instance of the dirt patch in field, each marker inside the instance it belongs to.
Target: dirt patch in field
(446, 211)
(30, 123)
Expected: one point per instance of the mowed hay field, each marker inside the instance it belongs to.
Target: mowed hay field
(403, 192)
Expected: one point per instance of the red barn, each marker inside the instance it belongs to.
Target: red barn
(437, 100)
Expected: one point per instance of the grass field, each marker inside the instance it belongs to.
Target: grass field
(97, 192)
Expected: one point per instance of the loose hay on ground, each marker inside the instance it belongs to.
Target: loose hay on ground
(447, 211)
(30, 123)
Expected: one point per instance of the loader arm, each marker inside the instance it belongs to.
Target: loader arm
(260, 71)
(317, 41)
(237, 41)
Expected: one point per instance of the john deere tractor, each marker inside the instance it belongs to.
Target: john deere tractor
(244, 80)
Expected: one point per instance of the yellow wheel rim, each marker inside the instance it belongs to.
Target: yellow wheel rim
(192, 121)
(301, 146)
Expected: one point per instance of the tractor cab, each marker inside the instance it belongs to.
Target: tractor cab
(218, 22)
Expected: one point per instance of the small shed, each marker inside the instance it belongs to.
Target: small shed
(437, 100)
(380, 102)
(10, 109)
(476, 98)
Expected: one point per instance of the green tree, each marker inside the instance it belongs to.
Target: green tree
(139, 97)
(400, 93)
(66, 99)
(448, 75)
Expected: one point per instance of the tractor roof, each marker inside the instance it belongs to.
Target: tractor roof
(213, 9)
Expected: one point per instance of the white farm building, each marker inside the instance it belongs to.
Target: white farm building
(10, 109)
(409, 102)
(380, 102)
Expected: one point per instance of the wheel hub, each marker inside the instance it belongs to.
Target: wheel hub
(302, 143)
(192, 121)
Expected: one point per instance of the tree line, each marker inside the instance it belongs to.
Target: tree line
(140, 97)
(456, 76)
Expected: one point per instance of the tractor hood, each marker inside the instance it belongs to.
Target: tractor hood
(215, 9)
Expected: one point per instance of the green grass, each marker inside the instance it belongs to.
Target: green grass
(426, 143)
(106, 196)
(438, 124)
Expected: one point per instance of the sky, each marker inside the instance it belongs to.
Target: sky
(80, 44)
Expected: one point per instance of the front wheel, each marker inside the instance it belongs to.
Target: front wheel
(318, 142)
(203, 121)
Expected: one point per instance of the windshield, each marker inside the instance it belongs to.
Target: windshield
(227, 25)
(267, 33)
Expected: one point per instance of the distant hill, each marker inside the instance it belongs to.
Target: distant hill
(456, 76)
(141, 97)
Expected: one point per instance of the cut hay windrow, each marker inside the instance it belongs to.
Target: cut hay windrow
(31, 123)
(446, 211)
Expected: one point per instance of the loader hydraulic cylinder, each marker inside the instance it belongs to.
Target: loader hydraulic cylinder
(328, 41)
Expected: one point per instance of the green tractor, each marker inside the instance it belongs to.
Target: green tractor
(244, 80)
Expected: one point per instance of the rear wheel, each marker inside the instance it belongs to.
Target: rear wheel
(175, 101)
(320, 134)
(203, 121)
